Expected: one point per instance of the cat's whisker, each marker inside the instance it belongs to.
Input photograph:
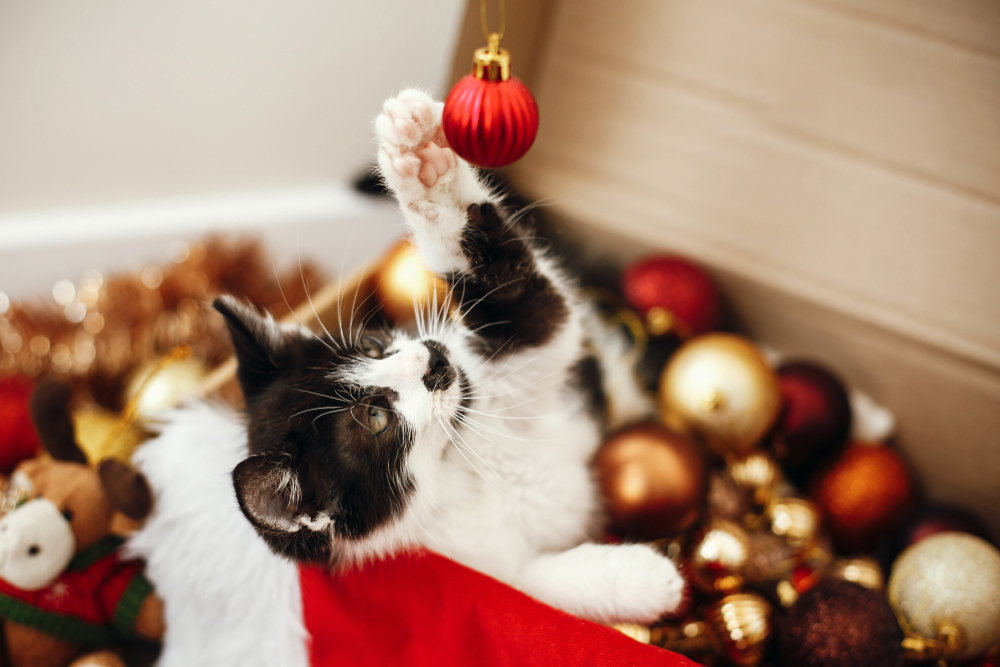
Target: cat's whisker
(475, 426)
(305, 286)
(329, 412)
(323, 407)
(476, 454)
(458, 448)
(534, 397)
(281, 290)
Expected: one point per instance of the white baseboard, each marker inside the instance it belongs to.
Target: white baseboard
(329, 224)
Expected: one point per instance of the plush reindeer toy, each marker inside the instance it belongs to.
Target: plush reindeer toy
(64, 590)
(470, 436)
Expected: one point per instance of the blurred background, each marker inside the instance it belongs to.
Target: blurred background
(835, 164)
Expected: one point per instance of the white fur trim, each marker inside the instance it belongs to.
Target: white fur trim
(228, 599)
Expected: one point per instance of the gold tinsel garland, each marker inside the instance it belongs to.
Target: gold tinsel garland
(96, 332)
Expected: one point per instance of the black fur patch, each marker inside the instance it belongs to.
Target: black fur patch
(505, 299)
(586, 375)
(314, 428)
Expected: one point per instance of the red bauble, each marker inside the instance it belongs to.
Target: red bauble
(672, 294)
(865, 492)
(490, 123)
(930, 519)
(816, 417)
(18, 441)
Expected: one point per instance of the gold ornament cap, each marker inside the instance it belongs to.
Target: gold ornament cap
(491, 63)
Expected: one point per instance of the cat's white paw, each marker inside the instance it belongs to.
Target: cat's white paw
(606, 583)
(412, 145)
(648, 584)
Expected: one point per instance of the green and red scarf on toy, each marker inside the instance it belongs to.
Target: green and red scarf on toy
(94, 601)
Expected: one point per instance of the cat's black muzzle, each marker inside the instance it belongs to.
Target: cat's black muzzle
(440, 373)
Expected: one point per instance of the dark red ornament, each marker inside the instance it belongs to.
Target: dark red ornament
(18, 440)
(838, 623)
(490, 118)
(816, 419)
(672, 294)
(930, 519)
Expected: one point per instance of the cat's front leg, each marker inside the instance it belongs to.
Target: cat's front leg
(606, 583)
(508, 290)
(433, 185)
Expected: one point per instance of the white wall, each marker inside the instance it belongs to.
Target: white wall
(103, 101)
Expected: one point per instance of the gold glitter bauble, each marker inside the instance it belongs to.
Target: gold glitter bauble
(741, 625)
(719, 387)
(719, 557)
(159, 386)
(949, 581)
(771, 557)
(100, 433)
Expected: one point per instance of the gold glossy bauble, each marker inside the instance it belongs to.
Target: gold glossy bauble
(163, 385)
(641, 633)
(405, 283)
(759, 474)
(102, 434)
(795, 519)
(864, 571)
(720, 554)
(719, 387)
(741, 625)
(653, 481)
(945, 590)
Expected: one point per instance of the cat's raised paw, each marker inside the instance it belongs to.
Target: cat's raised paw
(412, 145)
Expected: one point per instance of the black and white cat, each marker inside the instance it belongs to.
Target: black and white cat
(471, 436)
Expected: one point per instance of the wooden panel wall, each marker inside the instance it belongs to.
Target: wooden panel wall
(836, 162)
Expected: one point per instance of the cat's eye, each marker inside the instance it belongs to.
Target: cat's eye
(371, 347)
(378, 419)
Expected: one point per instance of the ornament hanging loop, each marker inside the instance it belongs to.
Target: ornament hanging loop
(491, 63)
(482, 19)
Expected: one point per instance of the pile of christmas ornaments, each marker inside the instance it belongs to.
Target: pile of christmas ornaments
(796, 522)
(132, 344)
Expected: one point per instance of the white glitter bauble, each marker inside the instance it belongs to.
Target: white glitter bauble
(950, 579)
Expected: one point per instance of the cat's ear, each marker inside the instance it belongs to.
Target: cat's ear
(256, 340)
(273, 500)
(269, 492)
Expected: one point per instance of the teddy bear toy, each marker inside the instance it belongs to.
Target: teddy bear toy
(66, 595)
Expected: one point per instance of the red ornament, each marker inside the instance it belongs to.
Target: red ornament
(18, 440)
(930, 519)
(490, 118)
(672, 294)
(815, 421)
(865, 492)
